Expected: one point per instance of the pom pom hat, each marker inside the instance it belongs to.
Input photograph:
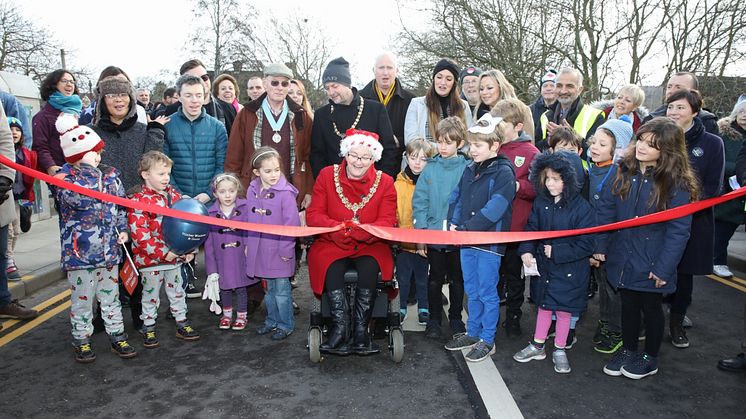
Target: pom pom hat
(76, 140)
(357, 138)
(15, 122)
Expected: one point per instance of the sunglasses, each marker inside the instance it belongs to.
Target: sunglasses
(276, 83)
(205, 77)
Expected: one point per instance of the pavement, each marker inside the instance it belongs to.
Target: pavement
(229, 374)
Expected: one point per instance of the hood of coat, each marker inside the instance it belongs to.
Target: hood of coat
(240, 208)
(561, 163)
(728, 131)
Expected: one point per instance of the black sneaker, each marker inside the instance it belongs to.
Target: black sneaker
(149, 338)
(641, 367)
(622, 358)
(461, 342)
(480, 351)
(433, 330)
(609, 344)
(679, 339)
(84, 353)
(123, 349)
(192, 291)
(186, 332)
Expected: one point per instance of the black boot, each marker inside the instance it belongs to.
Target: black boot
(337, 341)
(678, 335)
(364, 300)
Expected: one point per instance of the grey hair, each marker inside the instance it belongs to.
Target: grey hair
(387, 54)
(575, 72)
(143, 89)
(737, 108)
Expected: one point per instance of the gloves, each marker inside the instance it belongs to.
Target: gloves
(212, 292)
(6, 184)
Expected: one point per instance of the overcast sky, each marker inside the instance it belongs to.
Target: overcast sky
(145, 36)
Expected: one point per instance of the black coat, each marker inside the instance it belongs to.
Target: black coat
(707, 159)
(733, 136)
(396, 109)
(325, 142)
(563, 284)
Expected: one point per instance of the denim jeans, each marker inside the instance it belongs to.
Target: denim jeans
(480, 283)
(4, 292)
(412, 267)
(279, 302)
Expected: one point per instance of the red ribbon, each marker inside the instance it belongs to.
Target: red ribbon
(460, 238)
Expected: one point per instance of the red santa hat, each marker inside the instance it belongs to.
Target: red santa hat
(76, 140)
(357, 138)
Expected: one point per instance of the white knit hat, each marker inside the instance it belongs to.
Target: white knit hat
(76, 140)
(358, 137)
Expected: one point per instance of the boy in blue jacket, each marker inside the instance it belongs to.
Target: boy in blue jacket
(430, 211)
(91, 234)
(482, 201)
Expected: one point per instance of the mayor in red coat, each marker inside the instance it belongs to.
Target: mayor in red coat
(353, 192)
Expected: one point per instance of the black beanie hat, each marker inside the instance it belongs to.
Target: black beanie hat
(446, 64)
(469, 71)
(337, 71)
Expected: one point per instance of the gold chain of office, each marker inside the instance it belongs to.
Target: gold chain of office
(357, 118)
(346, 202)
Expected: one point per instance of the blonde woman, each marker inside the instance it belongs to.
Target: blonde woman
(493, 87)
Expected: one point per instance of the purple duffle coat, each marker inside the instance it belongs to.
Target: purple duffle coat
(269, 255)
(224, 249)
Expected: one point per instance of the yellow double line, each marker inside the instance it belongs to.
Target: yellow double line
(733, 282)
(4, 340)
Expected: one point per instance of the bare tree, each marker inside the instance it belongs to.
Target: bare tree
(25, 47)
(217, 36)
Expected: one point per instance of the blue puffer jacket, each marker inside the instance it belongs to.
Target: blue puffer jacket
(632, 253)
(434, 186)
(483, 199)
(198, 151)
(88, 227)
(563, 283)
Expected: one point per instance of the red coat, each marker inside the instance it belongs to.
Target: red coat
(327, 210)
(521, 153)
(148, 247)
(30, 161)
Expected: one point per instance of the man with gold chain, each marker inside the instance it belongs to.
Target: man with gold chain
(347, 109)
(387, 89)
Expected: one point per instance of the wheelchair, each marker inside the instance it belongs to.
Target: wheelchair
(384, 309)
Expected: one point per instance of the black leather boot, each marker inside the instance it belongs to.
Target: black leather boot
(337, 342)
(364, 300)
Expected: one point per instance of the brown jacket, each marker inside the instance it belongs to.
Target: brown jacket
(241, 146)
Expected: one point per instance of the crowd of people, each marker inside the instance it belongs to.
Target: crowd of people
(469, 155)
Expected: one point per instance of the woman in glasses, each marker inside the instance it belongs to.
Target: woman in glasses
(89, 113)
(352, 192)
(443, 99)
(59, 89)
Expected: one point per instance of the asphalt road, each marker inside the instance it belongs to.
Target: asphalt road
(239, 374)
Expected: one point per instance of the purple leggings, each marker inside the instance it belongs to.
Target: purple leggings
(562, 328)
(241, 299)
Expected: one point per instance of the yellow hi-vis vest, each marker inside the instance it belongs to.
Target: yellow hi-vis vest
(582, 125)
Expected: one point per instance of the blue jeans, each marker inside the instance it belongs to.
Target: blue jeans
(4, 293)
(279, 302)
(481, 275)
(411, 267)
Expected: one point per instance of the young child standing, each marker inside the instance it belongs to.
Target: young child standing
(560, 289)
(23, 191)
(482, 201)
(641, 262)
(271, 199)
(609, 140)
(430, 211)
(411, 266)
(519, 149)
(91, 235)
(152, 257)
(225, 257)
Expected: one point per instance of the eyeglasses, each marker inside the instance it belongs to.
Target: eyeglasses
(276, 83)
(355, 157)
(205, 77)
(67, 81)
(113, 96)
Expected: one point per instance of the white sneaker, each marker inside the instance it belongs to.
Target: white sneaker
(722, 271)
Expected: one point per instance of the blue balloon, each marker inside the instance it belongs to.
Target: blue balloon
(184, 236)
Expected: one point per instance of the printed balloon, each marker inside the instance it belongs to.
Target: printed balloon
(184, 236)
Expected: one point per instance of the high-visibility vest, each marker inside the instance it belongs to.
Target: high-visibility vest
(583, 122)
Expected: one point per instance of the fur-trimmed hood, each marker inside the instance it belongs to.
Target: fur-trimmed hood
(641, 111)
(561, 163)
(728, 131)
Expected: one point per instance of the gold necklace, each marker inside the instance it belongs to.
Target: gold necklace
(357, 118)
(346, 202)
